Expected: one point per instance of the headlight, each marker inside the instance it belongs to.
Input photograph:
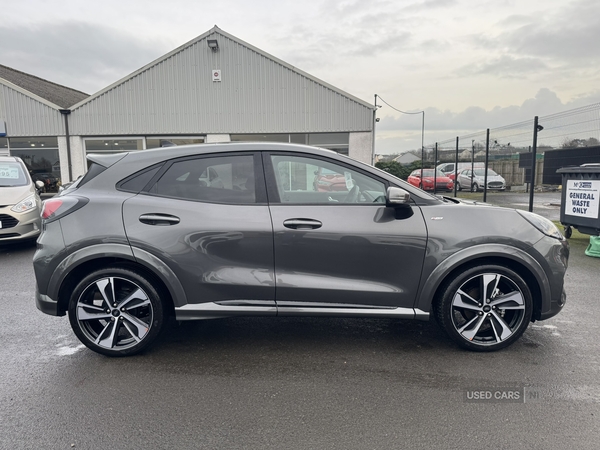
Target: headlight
(542, 224)
(25, 205)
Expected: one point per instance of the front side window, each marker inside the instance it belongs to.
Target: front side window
(219, 179)
(309, 180)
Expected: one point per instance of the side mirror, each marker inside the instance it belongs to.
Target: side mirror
(397, 196)
(39, 184)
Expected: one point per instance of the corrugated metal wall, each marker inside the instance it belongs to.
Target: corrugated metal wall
(25, 116)
(256, 95)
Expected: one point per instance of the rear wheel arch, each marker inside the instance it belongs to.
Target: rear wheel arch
(82, 270)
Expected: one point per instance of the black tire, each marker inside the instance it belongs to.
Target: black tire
(122, 325)
(568, 232)
(485, 323)
(458, 188)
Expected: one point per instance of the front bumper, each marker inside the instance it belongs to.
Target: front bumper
(27, 227)
(555, 307)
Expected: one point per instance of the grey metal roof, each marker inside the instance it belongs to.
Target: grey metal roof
(57, 94)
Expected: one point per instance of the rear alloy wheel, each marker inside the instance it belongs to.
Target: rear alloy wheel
(458, 188)
(116, 312)
(486, 308)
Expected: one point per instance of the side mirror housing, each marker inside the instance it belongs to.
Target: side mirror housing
(39, 184)
(396, 196)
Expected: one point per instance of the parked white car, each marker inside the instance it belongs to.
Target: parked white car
(20, 203)
(475, 180)
(449, 169)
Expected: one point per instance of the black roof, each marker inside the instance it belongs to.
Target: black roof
(55, 93)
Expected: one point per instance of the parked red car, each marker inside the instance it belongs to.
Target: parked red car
(443, 183)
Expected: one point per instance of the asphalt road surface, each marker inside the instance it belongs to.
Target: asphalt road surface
(294, 383)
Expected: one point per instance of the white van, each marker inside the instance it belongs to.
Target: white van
(449, 170)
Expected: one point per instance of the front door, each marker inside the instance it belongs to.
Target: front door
(336, 242)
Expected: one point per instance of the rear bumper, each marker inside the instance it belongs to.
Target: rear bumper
(46, 305)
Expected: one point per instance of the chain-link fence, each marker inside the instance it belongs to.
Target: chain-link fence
(521, 157)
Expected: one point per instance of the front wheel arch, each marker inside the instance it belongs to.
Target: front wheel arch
(522, 270)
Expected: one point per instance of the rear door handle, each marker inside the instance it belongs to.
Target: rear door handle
(302, 224)
(159, 219)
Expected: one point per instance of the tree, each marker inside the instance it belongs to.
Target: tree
(575, 143)
(397, 169)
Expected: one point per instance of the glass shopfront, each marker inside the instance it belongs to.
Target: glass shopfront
(40, 155)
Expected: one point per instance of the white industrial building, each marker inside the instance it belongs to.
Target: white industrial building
(215, 88)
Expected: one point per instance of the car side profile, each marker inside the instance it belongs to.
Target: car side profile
(143, 237)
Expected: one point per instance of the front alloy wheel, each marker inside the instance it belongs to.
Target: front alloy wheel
(486, 309)
(116, 312)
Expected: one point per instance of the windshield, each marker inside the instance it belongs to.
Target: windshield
(12, 174)
(481, 172)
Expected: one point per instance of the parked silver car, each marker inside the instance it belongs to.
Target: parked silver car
(142, 237)
(475, 180)
(20, 203)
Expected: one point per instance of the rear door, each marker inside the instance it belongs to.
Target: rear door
(208, 219)
(336, 242)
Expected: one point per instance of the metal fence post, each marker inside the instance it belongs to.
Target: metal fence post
(435, 157)
(487, 157)
(456, 166)
(536, 128)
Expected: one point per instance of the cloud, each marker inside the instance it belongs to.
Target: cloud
(76, 54)
(507, 124)
(505, 66)
(562, 35)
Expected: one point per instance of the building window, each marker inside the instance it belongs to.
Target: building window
(166, 141)
(338, 142)
(40, 155)
(113, 145)
(260, 138)
(3, 146)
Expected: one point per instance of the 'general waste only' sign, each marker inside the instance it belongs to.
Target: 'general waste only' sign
(582, 198)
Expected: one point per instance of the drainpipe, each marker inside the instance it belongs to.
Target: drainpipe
(65, 113)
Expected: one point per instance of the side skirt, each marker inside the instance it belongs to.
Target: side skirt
(236, 308)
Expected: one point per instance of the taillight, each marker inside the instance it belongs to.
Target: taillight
(55, 208)
(50, 207)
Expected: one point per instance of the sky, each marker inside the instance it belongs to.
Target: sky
(469, 64)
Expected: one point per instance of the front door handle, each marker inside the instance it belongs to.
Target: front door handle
(302, 224)
(159, 219)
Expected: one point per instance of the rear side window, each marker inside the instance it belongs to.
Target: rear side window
(219, 179)
(93, 171)
(138, 181)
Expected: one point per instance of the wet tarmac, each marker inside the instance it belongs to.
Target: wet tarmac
(295, 383)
